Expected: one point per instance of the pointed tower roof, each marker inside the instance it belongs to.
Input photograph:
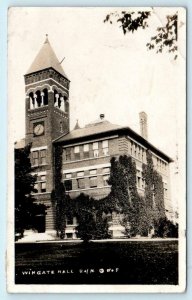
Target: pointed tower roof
(46, 58)
(77, 125)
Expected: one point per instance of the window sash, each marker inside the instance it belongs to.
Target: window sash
(86, 147)
(93, 181)
(92, 172)
(80, 174)
(68, 185)
(81, 183)
(69, 175)
(95, 146)
(105, 144)
(76, 149)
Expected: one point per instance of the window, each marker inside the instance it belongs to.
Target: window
(68, 154)
(40, 185)
(131, 148)
(135, 153)
(80, 183)
(77, 152)
(68, 185)
(36, 187)
(95, 146)
(69, 175)
(93, 172)
(105, 180)
(35, 158)
(105, 147)
(69, 235)
(140, 181)
(86, 150)
(80, 174)
(43, 187)
(96, 149)
(106, 170)
(69, 220)
(139, 152)
(43, 157)
(96, 153)
(93, 181)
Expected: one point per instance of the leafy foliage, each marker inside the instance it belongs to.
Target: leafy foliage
(165, 228)
(92, 225)
(124, 196)
(166, 37)
(59, 197)
(25, 207)
(154, 193)
(130, 21)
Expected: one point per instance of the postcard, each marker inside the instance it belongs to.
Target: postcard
(97, 150)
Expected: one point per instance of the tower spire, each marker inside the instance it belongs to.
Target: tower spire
(46, 39)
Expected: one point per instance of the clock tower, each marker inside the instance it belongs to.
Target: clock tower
(47, 118)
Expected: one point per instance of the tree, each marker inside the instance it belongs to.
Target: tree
(165, 228)
(25, 207)
(60, 198)
(91, 222)
(166, 37)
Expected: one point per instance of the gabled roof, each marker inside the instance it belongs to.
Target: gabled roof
(89, 130)
(103, 128)
(45, 59)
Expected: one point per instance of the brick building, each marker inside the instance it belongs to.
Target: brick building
(86, 151)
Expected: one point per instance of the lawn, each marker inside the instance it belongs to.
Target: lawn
(114, 262)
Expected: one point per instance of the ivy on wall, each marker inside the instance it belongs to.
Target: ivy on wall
(154, 193)
(60, 199)
(138, 214)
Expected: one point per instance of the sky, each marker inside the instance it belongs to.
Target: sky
(110, 73)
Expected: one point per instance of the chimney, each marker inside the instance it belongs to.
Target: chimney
(102, 116)
(143, 124)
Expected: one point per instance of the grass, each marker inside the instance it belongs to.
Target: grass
(115, 262)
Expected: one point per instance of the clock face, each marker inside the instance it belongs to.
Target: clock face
(38, 129)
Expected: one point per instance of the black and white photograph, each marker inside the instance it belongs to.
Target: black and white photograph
(97, 149)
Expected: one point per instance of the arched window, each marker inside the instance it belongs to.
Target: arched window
(38, 93)
(32, 100)
(59, 100)
(45, 99)
(56, 95)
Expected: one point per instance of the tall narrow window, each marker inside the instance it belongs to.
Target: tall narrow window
(77, 152)
(43, 157)
(35, 158)
(93, 181)
(43, 183)
(105, 147)
(81, 183)
(45, 100)
(68, 184)
(96, 149)
(68, 154)
(131, 147)
(86, 150)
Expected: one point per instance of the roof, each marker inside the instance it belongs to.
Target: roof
(46, 58)
(103, 128)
